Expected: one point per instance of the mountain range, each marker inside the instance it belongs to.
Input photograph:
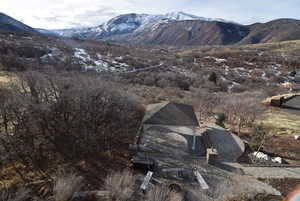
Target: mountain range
(175, 29)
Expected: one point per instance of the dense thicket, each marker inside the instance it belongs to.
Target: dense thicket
(46, 118)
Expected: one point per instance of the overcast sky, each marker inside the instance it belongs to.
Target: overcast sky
(57, 14)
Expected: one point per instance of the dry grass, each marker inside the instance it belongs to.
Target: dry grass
(9, 176)
(162, 193)
(66, 185)
(281, 122)
(197, 195)
(6, 77)
(120, 185)
(284, 46)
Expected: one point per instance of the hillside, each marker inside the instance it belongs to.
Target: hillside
(197, 33)
(274, 31)
(186, 33)
(127, 24)
(171, 29)
(77, 105)
(182, 29)
(9, 24)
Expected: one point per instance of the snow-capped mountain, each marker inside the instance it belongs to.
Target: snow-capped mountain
(181, 16)
(128, 23)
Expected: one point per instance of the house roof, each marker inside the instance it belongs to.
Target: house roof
(170, 113)
(293, 105)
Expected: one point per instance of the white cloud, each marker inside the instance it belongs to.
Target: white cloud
(69, 13)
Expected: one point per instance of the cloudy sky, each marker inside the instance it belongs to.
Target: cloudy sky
(57, 14)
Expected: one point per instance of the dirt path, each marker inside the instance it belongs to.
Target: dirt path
(272, 172)
(269, 172)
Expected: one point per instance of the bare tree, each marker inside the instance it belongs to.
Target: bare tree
(242, 110)
(46, 118)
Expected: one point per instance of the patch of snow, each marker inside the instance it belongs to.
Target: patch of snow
(54, 52)
(179, 16)
(277, 73)
(249, 63)
(260, 54)
(265, 157)
(287, 85)
(82, 55)
(218, 60)
(122, 27)
(264, 76)
(155, 25)
(99, 64)
(277, 160)
(261, 155)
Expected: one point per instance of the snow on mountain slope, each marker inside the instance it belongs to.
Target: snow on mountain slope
(185, 16)
(128, 23)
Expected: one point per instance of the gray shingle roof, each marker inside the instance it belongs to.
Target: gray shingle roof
(170, 113)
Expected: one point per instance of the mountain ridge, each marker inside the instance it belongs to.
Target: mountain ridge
(128, 23)
(179, 29)
(10, 24)
(173, 29)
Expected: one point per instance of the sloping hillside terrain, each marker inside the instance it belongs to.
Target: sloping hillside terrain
(175, 29)
(236, 68)
(61, 88)
(274, 31)
(9, 24)
(186, 33)
(179, 29)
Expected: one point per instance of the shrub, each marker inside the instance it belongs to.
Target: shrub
(66, 185)
(120, 185)
(162, 193)
(205, 103)
(213, 77)
(50, 118)
(220, 119)
(242, 110)
(257, 137)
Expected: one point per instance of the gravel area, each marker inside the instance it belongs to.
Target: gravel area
(272, 172)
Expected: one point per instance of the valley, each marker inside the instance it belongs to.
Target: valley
(79, 107)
